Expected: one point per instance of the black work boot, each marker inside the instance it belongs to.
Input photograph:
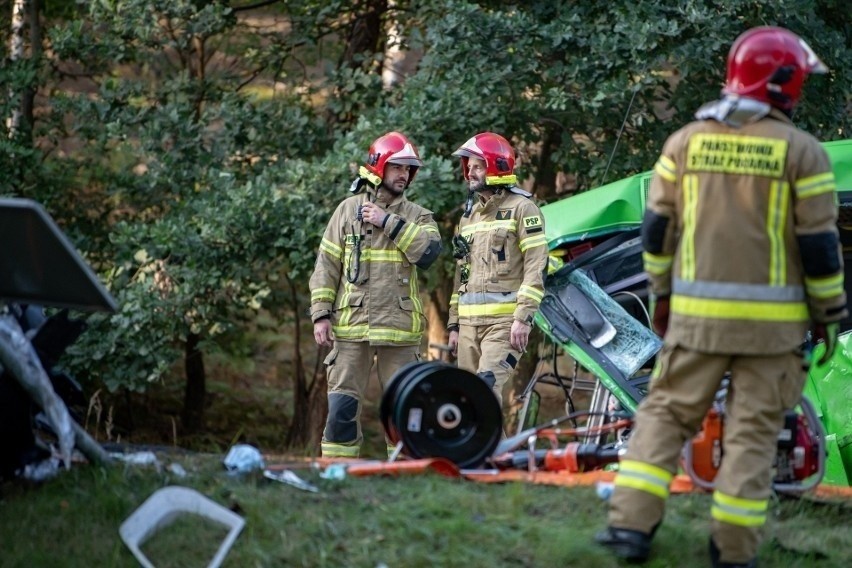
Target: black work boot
(630, 545)
(714, 559)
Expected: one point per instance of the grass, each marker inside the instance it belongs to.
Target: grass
(412, 521)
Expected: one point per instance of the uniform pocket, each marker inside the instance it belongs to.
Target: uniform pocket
(407, 305)
(331, 357)
(659, 375)
(498, 240)
(403, 273)
(354, 301)
(499, 250)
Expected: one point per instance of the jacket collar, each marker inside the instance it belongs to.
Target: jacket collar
(779, 115)
(494, 201)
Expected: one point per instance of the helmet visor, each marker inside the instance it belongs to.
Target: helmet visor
(814, 63)
(405, 157)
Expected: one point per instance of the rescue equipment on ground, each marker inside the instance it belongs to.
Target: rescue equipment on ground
(799, 461)
(437, 410)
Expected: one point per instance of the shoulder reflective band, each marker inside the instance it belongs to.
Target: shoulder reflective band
(331, 249)
(530, 242)
(666, 169)
(814, 185)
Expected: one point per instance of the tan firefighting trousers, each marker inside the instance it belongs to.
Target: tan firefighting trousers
(486, 348)
(349, 364)
(682, 389)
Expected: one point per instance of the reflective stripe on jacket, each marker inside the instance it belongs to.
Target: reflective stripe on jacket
(381, 304)
(741, 231)
(507, 262)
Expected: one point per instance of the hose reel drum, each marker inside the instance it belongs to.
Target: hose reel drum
(438, 410)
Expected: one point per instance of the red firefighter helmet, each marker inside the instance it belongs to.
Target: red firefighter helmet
(390, 148)
(496, 152)
(770, 64)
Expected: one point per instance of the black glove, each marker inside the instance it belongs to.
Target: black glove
(461, 248)
(661, 315)
(826, 332)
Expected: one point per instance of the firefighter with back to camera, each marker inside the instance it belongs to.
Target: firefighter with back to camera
(742, 251)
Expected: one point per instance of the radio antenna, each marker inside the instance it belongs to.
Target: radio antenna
(620, 132)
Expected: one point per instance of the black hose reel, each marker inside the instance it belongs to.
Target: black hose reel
(438, 410)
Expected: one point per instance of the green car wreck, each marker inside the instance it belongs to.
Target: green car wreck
(596, 310)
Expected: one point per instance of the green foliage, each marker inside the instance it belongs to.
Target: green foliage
(571, 70)
(204, 268)
(188, 169)
(202, 146)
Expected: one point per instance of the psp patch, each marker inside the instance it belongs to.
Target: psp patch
(504, 214)
(532, 222)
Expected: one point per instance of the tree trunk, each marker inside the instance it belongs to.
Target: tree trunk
(310, 408)
(545, 177)
(310, 405)
(437, 312)
(394, 56)
(196, 387)
(16, 53)
(366, 34)
(28, 97)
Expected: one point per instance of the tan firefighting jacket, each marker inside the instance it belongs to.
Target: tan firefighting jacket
(741, 231)
(365, 277)
(502, 278)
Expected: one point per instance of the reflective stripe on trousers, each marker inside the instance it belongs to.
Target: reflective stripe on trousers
(681, 391)
(349, 370)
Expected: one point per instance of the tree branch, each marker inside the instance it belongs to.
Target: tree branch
(253, 6)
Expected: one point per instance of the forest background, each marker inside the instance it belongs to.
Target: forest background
(193, 151)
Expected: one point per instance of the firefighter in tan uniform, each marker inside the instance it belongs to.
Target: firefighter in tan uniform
(742, 250)
(365, 299)
(501, 254)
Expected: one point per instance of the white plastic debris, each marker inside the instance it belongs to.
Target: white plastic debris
(290, 478)
(138, 458)
(243, 458)
(604, 489)
(163, 507)
(43, 470)
(335, 471)
(176, 469)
